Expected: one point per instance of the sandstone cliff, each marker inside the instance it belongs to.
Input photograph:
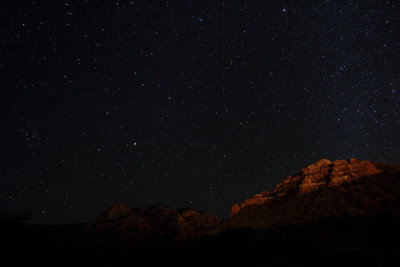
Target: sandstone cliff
(321, 174)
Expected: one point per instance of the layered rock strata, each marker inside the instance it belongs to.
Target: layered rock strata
(323, 173)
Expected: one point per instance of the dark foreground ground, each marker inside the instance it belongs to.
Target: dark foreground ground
(320, 244)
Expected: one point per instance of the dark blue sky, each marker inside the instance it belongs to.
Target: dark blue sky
(199, 104)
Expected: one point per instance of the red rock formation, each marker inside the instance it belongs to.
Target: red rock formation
(315, 175)
(258, 199)
(156, 222)
(235, 209)
(319, 174)
(123, 222)
(115, 212)
(198, 223)
(168, 223)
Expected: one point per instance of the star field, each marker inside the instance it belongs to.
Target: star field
(196, 104)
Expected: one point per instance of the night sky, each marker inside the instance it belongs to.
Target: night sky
(195, 104)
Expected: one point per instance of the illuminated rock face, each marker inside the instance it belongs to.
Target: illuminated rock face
(235, 209)
(315, 176)
(323, 173)
(353, 170)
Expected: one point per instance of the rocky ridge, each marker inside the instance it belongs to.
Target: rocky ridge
(323, 173)
(322, 189)
(155, 222)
